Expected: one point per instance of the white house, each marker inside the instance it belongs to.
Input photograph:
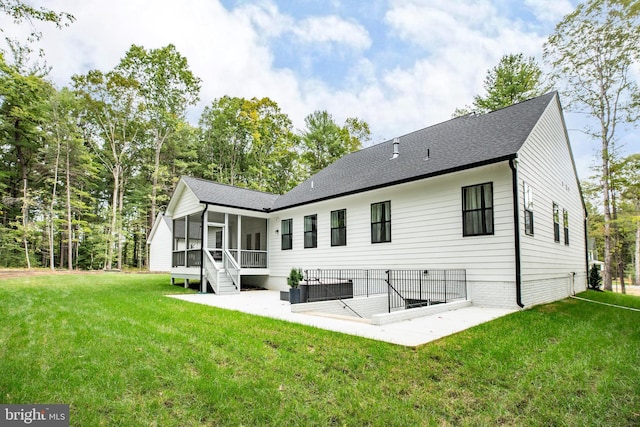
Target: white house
(495, 195)
(159, 244)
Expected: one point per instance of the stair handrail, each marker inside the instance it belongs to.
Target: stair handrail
(329, 291)
(211, 271)
(232, 267)
(390, 288)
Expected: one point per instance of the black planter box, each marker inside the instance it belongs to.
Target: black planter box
(284, 296)
(326, 292)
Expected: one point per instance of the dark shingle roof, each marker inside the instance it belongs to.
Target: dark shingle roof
(230, 196)
(457, 144)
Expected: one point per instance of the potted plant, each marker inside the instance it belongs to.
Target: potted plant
(294, 279)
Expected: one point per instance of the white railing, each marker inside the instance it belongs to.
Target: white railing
(211, 271)
(254, 259)
(232, 268)
(250, 259)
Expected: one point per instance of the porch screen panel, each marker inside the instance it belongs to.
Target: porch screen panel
(477, 210)
(179, 234)
(194, 231)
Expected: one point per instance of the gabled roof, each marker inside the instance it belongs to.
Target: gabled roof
(160, 218)
(229, 196)
(457, 144)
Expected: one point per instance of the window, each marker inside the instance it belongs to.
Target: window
(256, 242)
(381, 222)
(248, 243)
(477, 210)
(528, 209)
(339, 228)
(286, 226)
(565, 221)
(556, 223)
(311, 231)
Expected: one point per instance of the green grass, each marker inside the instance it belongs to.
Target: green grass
(121, 353)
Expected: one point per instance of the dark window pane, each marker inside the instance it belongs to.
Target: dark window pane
(381, 222)
(287, 234)
(477, 210)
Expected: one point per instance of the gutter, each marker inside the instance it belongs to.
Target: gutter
(516, 231)
(392, 183)
(203, 288)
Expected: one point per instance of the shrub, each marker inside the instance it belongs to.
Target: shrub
(295, 276)
(595, 280)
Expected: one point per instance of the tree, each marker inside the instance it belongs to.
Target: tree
(166, 87)
(20, 12)
(324, 142)
(591, 52)
(514, 79)
(630, 179)
(113, 125)
(249, 143)
(73, 168)
(23, 112)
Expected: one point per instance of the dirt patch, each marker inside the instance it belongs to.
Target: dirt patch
(631, 290)
(24, 272)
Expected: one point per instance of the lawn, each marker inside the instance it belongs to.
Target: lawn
(121, 353)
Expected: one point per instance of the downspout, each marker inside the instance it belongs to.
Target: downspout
(516, 231)
(586, 249)
(203, 287)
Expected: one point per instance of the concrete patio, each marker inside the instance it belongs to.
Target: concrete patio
(409, 333)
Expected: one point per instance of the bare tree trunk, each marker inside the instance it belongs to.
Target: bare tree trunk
(637, 257)
(619, 245)
(52, 262)
(25, 208)
(69, 222)
(108, 262)
(608, 252)
(119, 223)
(154, 186)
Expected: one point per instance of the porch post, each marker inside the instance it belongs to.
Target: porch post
(239, 237)
(225, 237)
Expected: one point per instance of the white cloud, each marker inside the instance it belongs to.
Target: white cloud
(550, 10)
(332, 29)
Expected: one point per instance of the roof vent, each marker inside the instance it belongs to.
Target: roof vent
(396, 148)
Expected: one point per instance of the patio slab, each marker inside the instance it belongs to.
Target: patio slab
(410, 333)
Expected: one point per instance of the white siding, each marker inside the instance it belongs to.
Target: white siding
(160, 248)
(545, 164)
(426, 232)
(186, 204)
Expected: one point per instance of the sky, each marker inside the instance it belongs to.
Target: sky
(398, 65)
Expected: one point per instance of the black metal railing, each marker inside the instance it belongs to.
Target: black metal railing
(404, 288)
(419, 288)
